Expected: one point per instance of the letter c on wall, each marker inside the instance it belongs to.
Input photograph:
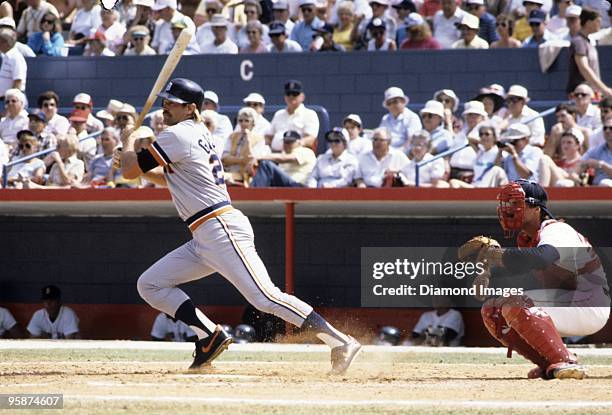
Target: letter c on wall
(246, 70)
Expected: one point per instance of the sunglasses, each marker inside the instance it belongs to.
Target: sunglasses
(122, 117)
(427, 115)
(514, 99)
(307, 9)
(501, 25)
(252, 32)
(607, 128)
(445, 100)
(138, 38)
(377, 32)
(580, 95)
(26, 145)
(473, 7)
(485, 134)
(274, 35)
(250, 12)
(212, 11)
(253, 104)
(292, 94)
(534, 24)
(48, 105)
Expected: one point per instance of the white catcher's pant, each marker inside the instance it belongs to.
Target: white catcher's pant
(223, 244)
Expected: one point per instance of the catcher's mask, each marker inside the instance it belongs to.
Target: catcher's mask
(513, 199)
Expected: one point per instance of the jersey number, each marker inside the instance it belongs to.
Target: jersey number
(217, 169)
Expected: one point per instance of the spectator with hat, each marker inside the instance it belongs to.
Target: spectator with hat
(55, 320)
(336, 167)
(220, 43)
(57, 124)
(597, 136)
(252, 11)
(600, 158)
(304, 30)
(96, 46)
(112, 29)
(587, 114)
(83, 101)
(346, 23)
(255, 44)
(449, 99)
(326, 32)
(378, 36)
(168, 13)
(362, 34)
(357, 143)
(125, 117)
(29, 22)
(258, 103)
(32, 169)
(402, 10)
(48, 41)
(87, 148)
(557, 24)
(289, 168)
(518, 112)
(431, 174)
(208, 8)
(107, 116)
(9, 22)
(420, 34)
(38, 126)
(280, 13)
(492, 97)
(400, 122)
(143, 16)
(433, 123)
(537, 23)
(279, 40)
(486, 20)
(15, 118)
(572, 21)
(522, 159)
(462, 162)
(86, 20)
(382, 165)
(445, 23)
(429, 8)
(521, 29)
(505, 30)
(139, 38)
(223, 125)
(14, 69)
(295, 117)
(565, 172)
(178, 25)
(469, 28)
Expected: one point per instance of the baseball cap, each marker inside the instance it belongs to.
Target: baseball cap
(280, 5)
(8, 22)
(211, 96)
(325, 28)
(518, 91)
(540, 2)
(383, 2)
(83, 98)
(481, 2)
(534, 193)
(337, 132)
(306, 2)
(474, 107)
(537, 16)
(433, 107)
(405, 4)
(414, 19)
(183, 91)
(291, 135)
(140, 32)
(394, 92)
(79, 115)
(162, 4)
(576, 133)
(277, 28)
(51, 292)
(354, 118)
(573, 11)
(37, 113)
(254, 97)
(471, 21)
(377, 23)
(516, 131)
(293, 86)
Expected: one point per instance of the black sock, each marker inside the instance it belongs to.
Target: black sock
(188, 314)
(325, 331)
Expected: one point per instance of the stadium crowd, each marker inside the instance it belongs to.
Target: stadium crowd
(495, 138)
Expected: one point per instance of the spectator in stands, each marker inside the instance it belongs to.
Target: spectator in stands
(566, 120)
(357, 144)
(112, 29)
(204, 33)
(419, 34)
(505, 30)
(382, 165)
(125, 117)
(138, 38)
(497, 7)
(220, 43)
(14, 69)
(9, 328)
(600, 158)
(400, 122)
(565, 171)
(126, 11)
(31, 17)
(48, 41)
(96, 46)
(87, 148)
(83, 102)
(361, 34)
(326, 34)
(16, 118)
(38, 126)
(252, 10)
(584, 60)
(431, 174)
(178, 25)
(433, 122)
(518, 112)
(492, 97)
(294, 117)
(223, 125)
(469, 34)
(597, 137)
(304, 30)
(445, 24)
(557, 24)
(254, 31)
(100, 171)
(144, 15)
(257, 102)
(588, 115)
(32, 169)
(9, 23)
(57, 124)
(336, 167)
(486, 20)
(449, 99)
(346, 24)
(429, 8)
(440, 327)
(279, 41)
(166, 328)
(402, 10)
(321, 9)
(539, 33)
(378, 36)
(54, 321)
(162, 37)
(572, 19)
(487, 170)
(280, 13)
(295, 163)
(521, 29)
(242, 148)
(67, 169)
(522, 158)
(462, 162)
(86, 20)
(157, 122)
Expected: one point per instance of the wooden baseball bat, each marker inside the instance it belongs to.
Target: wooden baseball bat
(164, 75)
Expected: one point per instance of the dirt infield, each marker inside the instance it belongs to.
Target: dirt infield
(129, 377)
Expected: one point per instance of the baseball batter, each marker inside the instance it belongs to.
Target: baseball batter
(222, 236)
(575, 298)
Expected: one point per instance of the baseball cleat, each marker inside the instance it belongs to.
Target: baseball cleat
(343, 356)
(565, 370)
(209, 348)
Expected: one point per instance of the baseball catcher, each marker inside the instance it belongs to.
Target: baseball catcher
(574, 299)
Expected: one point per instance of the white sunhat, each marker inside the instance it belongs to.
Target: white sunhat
(449, 93)
(253, 97)
(354, 118)
(516, 131)
(470, 21)
(394, 92)
(518, 91)
(474, 107)
(211, 96)
(576, 133)
(162, 4)
(433, 107)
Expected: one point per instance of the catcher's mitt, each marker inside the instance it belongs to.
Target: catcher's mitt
(470, 251)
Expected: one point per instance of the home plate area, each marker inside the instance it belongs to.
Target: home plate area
(104, 377)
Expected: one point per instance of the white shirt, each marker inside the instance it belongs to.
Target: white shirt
(591, 118)
(530, 156)
(333, 172)
(465, 158)
(557, 25)
(476, 43)
(30, 18)
(85, 22)
(162, 36)
(58, 125)
(114, 36)
(484, 161)
(538, 131)
(7, 321)
(303, 120)
(65, 324)
(226, 47)
(9, 127)
(597, 138)
(223, 129)
(358, 146)
(401, 128)
(427, 173)
(452, 319)
(204, 34)
(13, 67)
(445, 31)
(289, 46)
(163, 326)
(25, 50)
(372, 171)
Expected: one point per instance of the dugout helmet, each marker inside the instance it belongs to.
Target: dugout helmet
(183, 91)
(243, 333)
(388, 336)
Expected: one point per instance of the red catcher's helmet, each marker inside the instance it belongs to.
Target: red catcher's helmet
(513, 198)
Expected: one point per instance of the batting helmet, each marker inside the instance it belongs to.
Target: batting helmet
(243, 333)
(183, 91)
(388, 336)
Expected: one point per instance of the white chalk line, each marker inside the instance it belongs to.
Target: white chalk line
(557, 404)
